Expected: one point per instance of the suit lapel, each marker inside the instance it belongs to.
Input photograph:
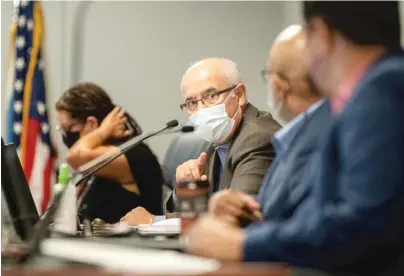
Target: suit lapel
(250, 112)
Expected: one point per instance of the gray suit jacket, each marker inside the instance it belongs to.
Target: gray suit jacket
(249, 156)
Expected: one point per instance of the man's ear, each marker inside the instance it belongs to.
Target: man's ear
(240, 92)
(325, 36)
(280, 88)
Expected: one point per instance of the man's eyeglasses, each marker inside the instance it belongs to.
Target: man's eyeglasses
(209, 100)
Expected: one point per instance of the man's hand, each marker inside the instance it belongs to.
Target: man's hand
(113, 124)
(210, 237)
(192, 170)
(230, 205)
(137, 216)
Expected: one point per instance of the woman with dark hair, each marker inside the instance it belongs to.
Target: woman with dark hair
(92, 125)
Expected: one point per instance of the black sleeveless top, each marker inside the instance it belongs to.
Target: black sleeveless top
(109, 201)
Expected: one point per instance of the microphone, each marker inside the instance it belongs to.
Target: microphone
(172, 124)
(42, 226)
(183, 129)
(186, 129)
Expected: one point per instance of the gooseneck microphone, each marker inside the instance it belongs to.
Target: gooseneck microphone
(82, 173)
(125, 147)
(171, 124)
(108, 157)
(185, 129)
(105, 159)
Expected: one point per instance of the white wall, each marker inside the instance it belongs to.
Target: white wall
(138, 50)
(292, 13)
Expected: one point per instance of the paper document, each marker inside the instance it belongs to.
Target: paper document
(125, 259)
(164, 227)
(172, 221)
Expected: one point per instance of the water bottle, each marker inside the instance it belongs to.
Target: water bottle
(66, 215)
(63, 178)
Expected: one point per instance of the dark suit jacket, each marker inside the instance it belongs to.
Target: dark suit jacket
(282, 189)
(353, 218)
(249, 156)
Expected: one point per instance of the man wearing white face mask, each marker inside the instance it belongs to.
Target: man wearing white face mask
(240, 135)
(215, 100)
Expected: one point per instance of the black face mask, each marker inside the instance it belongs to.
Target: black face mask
(70, 138)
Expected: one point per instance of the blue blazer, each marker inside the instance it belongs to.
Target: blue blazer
(353, 217)
(282, 191)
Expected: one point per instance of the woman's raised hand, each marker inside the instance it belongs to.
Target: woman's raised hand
(114, 124)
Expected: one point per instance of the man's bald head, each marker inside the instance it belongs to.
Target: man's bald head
(213, 75)
(217, 68)
(288, 53)
(290, 88)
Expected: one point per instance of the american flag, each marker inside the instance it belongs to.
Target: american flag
(27, 118)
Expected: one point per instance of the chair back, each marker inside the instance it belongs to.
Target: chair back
(183, 147)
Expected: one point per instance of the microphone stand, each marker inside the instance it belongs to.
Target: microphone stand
(104, 159)
(133, 143)
(42, 226)
(125, 147)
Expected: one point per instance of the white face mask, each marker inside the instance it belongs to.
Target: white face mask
(275, 108)
(212, 123)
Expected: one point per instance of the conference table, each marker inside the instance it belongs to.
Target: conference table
(226, 270)
(52, 266)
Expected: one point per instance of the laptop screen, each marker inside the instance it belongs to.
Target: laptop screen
(16, 192)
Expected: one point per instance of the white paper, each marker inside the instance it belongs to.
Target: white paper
(160, 230)
(125, 259)
(168, 226)
(172, 221)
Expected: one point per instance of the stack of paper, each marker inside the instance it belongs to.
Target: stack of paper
(165, 227)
